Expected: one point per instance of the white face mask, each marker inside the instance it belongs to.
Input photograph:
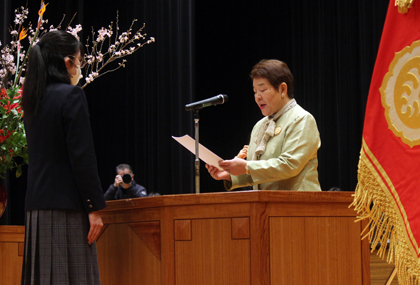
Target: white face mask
(75, 78)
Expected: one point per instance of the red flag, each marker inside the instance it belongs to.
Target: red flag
(388, 192)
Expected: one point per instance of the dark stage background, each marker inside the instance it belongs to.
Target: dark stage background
(204, 48)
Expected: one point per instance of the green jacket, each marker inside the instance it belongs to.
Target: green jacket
(290, 161)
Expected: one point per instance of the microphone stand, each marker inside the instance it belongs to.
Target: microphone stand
(219, 99)
(197, 157)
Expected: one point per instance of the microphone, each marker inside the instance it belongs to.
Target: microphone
(216, 100)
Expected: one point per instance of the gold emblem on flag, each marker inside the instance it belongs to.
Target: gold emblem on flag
(400, 95)
(277, 131)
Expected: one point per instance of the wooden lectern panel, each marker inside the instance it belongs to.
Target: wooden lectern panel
(212, 256)
(125, 259)
(11, 254)
(249, 237)
(315, 250)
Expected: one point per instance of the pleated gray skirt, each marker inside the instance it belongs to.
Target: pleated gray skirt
(57, 250)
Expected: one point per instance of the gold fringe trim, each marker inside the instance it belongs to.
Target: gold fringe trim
(403, 5)
(371, 202)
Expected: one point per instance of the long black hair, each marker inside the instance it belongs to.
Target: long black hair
(46, 65)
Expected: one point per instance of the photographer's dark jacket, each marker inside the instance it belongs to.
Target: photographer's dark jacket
(116, 193)
(62, 170)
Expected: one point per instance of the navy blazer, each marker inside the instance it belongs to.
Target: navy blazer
(62, 168)
(134, 191)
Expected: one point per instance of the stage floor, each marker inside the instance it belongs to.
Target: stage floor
(380, 270)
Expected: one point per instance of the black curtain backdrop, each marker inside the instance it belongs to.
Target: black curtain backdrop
(205, 48)
(330, 47)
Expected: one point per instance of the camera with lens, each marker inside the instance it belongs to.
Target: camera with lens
(126, 178)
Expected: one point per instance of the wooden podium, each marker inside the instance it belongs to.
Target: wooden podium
(11, 254)
(251, 237)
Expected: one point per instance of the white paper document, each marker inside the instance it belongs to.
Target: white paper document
(204, 153)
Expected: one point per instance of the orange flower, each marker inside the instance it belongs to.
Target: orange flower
(42, 10)
(23, 33)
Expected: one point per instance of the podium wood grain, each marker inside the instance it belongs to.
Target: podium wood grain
(254, 237)
(251, 237)
(11, 254)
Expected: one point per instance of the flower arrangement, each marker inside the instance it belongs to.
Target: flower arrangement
(106, 46)
(121, 46)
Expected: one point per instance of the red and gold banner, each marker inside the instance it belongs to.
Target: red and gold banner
(388, 192)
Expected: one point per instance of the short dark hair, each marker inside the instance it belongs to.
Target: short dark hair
(124, 166)
(334, 189)
(276, 72)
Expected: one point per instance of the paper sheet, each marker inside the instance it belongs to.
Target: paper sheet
(205, 154)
